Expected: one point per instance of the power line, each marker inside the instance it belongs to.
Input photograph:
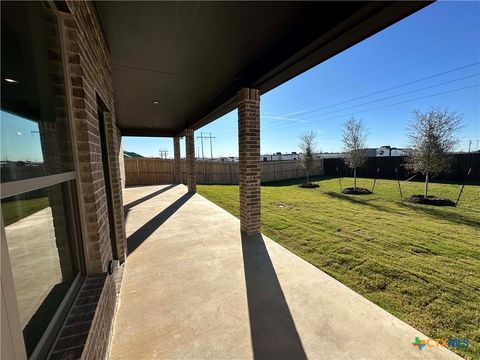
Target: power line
(388, 105)
(393, 87)
(281, 126)
(417, 50)
(396, 95)
(435, 57)
(378, 107)
(383, 99)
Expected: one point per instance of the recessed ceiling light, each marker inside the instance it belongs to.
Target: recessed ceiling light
(156, 102)
(10, 80)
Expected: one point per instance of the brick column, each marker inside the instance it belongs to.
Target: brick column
(249, 154)
(190, 152)
(176, 160)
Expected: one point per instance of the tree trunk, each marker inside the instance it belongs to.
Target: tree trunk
(355, 179)
(426, 185)
(308, 177)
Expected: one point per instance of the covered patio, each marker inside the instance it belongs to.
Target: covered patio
(200, 283)
(195, 287)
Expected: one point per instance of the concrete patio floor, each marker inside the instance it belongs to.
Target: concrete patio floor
(194, 288)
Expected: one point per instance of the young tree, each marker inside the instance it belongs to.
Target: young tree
(354, 141)
(432, 135)
(308, 146)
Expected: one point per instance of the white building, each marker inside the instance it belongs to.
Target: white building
(279, 156)
(385, 151)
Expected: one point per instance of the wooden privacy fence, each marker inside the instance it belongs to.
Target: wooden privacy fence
(154, 171)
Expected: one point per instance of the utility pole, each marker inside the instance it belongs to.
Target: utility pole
(470, 142)
(211, 148)
(163, 153)
(210, 137)
(201, 139)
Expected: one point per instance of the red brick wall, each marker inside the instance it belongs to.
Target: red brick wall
(249, 158)
(190, 153)
(87, 330)
(90, 76)
(176, 160)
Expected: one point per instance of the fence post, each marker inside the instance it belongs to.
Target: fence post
(138, 173)
(204, 171)
(231, 173)
(274, 171)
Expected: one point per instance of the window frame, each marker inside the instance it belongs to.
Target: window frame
(17, 187)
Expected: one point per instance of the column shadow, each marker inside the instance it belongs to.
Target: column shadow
(139, 236)
(273, 331)
(134, 203)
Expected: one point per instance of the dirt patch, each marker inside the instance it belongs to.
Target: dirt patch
(430, 200)
(309, 186)
(357, 191)
(421, 250)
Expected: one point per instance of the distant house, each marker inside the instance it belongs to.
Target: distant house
(131, 154)
(278, 156)
(399, 152)
(330, 155)
(228, 159)
(370, 152)
(385, 151)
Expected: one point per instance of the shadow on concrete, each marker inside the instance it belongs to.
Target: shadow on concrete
(127, 207)
(139, 236)
(273, 331)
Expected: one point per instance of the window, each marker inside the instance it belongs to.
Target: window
(38, 196)
(35, 132)
(40, 247)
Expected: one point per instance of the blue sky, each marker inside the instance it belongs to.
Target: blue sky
(442, 42)
(20, 139)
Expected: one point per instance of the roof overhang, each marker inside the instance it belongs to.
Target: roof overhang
(193, 57)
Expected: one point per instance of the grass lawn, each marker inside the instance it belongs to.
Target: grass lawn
(13, 211)
(420, 263)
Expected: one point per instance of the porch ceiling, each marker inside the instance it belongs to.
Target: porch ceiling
(193, 57)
